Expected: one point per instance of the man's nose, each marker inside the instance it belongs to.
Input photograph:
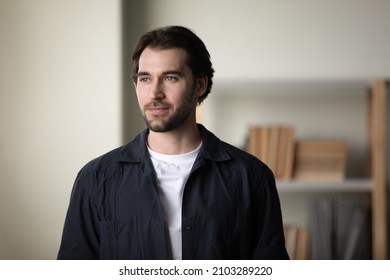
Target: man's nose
(156, 91)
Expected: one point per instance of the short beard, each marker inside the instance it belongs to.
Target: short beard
(174, 121)
(170, 124)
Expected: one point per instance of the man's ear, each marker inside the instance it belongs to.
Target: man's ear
(201, 85)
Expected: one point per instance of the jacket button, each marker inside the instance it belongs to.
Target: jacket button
(188, 227)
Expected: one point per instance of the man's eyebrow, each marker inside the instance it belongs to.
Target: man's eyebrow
(141, 74)
(173, 72)
(169, 72)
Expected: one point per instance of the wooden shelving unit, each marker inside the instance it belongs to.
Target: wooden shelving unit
(374, 183)
(377, 139)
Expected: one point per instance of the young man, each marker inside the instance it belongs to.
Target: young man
(175, 191)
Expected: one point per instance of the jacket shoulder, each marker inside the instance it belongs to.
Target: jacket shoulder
(103, 163)
(110, 161)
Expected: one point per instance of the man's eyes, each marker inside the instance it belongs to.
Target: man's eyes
(143, 79)
(171, 78)
(168, 78)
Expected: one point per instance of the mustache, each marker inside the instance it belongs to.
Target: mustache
(154, 104)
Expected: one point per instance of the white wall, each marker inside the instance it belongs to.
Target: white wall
(286, 39)
(60, 93)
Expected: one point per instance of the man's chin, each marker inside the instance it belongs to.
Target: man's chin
(162, 128)
(166, 125)
(157, 127)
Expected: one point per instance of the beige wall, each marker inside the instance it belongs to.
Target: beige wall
(60, 93)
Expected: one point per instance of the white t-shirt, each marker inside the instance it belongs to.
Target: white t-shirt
(172, 174)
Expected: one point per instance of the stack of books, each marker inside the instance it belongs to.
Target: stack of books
(339, 226)
(273, 145)
(323, 160)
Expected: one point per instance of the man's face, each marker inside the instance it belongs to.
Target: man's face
(166, 90)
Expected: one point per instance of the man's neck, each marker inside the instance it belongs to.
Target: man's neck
(178, 141)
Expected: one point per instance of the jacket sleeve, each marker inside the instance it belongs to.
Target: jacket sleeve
(80, 237)
(269, 238)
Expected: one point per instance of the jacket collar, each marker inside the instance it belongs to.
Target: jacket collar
(136, 151)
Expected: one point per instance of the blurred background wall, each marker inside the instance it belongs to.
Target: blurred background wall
(66, 97)
(60, 106)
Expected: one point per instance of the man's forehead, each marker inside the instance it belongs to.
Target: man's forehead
(162, 59)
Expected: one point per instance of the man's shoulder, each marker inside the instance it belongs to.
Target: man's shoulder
(102, 163)
(111, 160)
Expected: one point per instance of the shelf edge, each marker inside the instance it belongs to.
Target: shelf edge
(348, 185)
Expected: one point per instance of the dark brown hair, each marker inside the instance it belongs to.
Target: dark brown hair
(178, 37)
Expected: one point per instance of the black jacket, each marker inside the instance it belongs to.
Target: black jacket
(231, 208)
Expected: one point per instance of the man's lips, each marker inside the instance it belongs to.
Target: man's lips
(156, 110)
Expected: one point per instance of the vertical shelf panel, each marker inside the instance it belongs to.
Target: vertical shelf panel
(378, 169)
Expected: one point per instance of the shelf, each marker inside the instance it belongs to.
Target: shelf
(350, 109)
(349, 185)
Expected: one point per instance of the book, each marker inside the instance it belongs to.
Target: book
(339, 227)
(273, 148)
(274, 145)
(319, 223)
(296, 241)
(281, 161)
(320, 160)
(252, 145)
(301, 252)
(289, 153)
(263, 143)
(291, 237)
